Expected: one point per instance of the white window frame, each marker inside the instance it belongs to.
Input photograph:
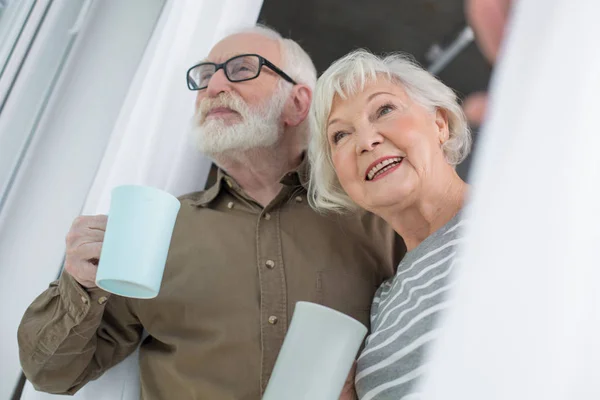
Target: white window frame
(58, 156)
(25, 87)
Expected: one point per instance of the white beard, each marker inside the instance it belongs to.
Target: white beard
(259, 128)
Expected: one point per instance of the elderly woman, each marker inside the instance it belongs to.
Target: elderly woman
(387, 138)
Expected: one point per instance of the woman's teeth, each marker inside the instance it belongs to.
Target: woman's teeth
(383, 166)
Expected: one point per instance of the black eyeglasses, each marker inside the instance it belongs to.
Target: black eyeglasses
(237, 69)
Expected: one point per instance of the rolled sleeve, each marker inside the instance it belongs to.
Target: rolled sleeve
(65, 341)
(80, 301)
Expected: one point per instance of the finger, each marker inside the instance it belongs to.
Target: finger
(98, 222)
(89, 251)
(353, 371)
(488, 20)
(90, 222)
(351, 375)
(475, 106)
(78, 236)
(92, 235)
(348, 391)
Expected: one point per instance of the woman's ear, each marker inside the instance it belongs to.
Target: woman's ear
(441, 122)
(298, 105)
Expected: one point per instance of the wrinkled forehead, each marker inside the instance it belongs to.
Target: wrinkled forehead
(360, 90)
(245, 43)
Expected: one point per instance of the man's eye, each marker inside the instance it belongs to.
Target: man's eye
(243, 69)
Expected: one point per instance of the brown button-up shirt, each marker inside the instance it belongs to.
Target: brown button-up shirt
(234, 272)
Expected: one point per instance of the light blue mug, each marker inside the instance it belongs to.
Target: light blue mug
(317, 354)
(137, 239)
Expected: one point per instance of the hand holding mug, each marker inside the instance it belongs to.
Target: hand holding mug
(84, 244)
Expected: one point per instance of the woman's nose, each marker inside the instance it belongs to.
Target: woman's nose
(368, 141)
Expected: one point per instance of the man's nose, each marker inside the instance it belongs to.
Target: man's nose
(218, 83)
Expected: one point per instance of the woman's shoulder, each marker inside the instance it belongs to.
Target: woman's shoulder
(452, 228)
(441, 242)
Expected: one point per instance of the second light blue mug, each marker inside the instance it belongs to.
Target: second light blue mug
(137, 239)
(317, 354)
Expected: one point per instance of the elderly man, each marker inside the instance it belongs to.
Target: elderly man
(243, 252)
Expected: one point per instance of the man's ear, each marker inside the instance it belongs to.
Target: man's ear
(298, 105)
(441, 121)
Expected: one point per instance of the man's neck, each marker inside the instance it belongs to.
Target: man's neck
(259, 171)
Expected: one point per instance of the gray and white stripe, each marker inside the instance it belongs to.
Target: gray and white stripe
(404, 318)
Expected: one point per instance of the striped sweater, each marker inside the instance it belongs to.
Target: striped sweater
(404, 318)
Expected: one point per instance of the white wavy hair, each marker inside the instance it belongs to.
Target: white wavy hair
(349, 75)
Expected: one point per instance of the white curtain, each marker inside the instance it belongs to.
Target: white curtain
(150, 144)
(526, 319)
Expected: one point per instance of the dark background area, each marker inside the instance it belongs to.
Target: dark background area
(328, 29)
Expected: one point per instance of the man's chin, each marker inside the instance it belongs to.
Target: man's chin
(217, 139)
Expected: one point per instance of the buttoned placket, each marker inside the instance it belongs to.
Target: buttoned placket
(271, 273)
(273, 293)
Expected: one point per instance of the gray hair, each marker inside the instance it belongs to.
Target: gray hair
(294, 60)
(348, 76)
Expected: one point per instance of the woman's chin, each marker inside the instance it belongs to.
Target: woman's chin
(384, 203)
(395, 193)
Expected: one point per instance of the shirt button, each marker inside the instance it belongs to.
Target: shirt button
(229, 182)
(102, 300)
(270, 264)
(298, 199)
(267, 216)
(84, 300)
(273, 320)
(230, 205)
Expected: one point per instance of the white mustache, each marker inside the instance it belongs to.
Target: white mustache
(227, 100)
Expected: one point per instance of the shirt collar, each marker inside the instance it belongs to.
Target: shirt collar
(208, 195)
(297, 177)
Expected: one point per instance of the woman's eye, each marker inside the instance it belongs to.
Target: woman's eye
(338, 136)
(385, 109)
